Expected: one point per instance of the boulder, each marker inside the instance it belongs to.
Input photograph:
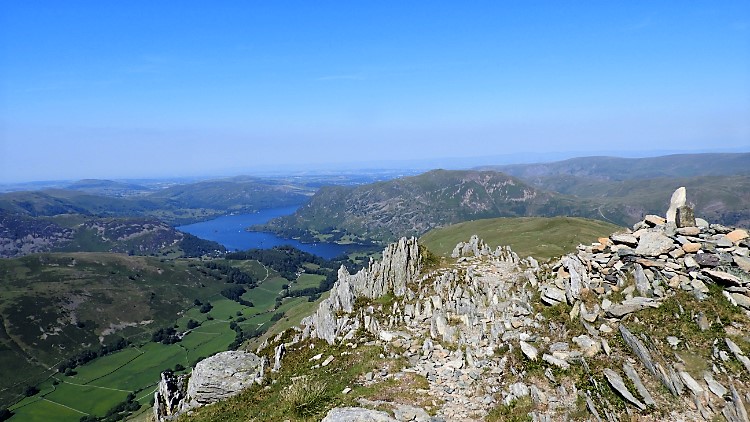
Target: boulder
(223, 375)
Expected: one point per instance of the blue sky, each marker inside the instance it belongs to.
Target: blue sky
(111, 89)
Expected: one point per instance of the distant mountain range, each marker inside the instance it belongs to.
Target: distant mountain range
(175, 205)
(616, 190)
(344, 209)
(619, 169)
(718, 184)
(413, 205)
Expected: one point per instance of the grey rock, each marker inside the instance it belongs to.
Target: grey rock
(529, 350)
(691, 384)
(653, 244)
(741, 300)
(743, 263)
(403, 412)
(474, 247)
(588, 346)
(555, 361)
(400, 265)
(679, 199)
(714, 385)
(223, 375)
(636, 379)
(277, 355)
(738, 353)
(735, 411)
(357, 414)
(641, 282)
(673, 341)
(169, 398)
(667, 376)
(552, 295)
(707, 260)
(618, 384)
(685, 217)
(723, 277)
(624, 239)
(631, 305)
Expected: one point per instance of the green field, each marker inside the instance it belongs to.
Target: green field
(123, 283)
(306, 281)
(540, 237)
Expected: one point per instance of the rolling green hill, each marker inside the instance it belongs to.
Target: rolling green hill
(176, 205)
(413, 205)
(21, 235)
(540, 237)
(57, 309)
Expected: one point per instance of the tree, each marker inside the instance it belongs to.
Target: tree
(5, 414)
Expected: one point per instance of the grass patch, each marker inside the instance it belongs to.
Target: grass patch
(540, 237)
(517, 411)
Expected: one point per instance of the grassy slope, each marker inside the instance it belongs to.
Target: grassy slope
(106, 381)
(539, 237)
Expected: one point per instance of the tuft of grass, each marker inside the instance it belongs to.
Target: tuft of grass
(517, 411)
(306, 397)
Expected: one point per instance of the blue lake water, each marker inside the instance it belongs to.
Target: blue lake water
(230, 231)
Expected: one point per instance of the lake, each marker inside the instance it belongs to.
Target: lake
(229, 230)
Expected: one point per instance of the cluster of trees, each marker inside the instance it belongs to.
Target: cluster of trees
(195, 247)
(242, 335)
(165, 336)
(233, 274)
(5, 414)
(286, 260)
(313, 293)
(87, 356)
(235, 293)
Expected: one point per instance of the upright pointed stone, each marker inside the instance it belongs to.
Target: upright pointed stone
(679, 198)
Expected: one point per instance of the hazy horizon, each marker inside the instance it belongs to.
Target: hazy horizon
(137, 89)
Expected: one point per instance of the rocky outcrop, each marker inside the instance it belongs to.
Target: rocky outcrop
(491, 329)
(474, 247)
(458, 327)
(216, 378)
(400, 266)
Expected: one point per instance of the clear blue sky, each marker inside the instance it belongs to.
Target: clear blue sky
(112, 89)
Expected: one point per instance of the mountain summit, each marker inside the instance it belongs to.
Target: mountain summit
(649, 323)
